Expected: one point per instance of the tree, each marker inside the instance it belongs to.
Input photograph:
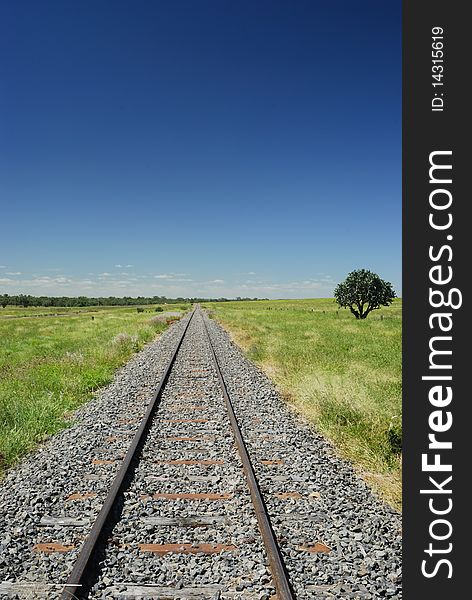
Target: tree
(362, 292)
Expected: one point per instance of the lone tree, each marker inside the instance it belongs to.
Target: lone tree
(363, 291)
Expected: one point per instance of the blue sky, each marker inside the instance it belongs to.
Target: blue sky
(204, 147)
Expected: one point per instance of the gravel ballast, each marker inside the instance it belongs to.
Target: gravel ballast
(68, 464)
(312, 495)
(338, 540)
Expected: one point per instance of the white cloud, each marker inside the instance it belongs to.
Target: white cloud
(173, 276)
(118, 266)
(45, 279)
(167, 284)
(13, 273)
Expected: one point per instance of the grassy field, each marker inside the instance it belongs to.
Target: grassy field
(50, 365)
(35, 311)
(344, 375)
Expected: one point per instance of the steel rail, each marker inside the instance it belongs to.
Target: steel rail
(280, 577)
(74, 587)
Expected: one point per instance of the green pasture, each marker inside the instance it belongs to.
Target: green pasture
(343, 374)
(49, 365)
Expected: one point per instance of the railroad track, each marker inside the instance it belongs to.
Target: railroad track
(180, 494)
(150, 493)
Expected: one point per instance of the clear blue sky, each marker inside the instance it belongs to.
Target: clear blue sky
(202, 147)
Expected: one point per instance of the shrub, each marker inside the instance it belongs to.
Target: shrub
(395, 437)
(124, 340)
(121, 339)
(158, 319)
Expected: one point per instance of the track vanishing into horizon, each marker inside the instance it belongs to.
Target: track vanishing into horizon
(193, 495)
(196, 424)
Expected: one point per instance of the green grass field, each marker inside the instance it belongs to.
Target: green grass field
(344, 375)
(50, 365)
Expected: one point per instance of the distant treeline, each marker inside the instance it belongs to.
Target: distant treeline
(25, 300)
